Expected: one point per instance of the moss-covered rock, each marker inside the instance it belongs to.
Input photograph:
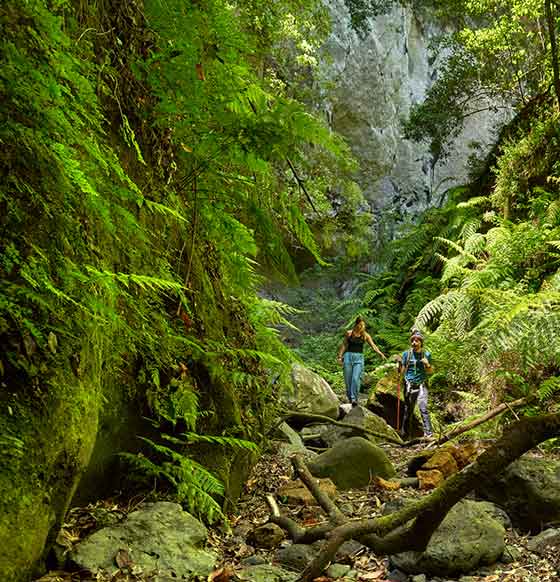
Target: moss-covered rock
(352, 463)
(310, 393)
(468, 537)
(37, 483)
(157, 537)
(529, 491)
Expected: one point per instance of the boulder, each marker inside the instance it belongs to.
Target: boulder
(310, 393)
(352, 463)
(292, 442)
(265, 573)
(528, 490)
(268, 535)
(296, 493)
(546, 540)
(383, 402)
(361, 417)
(317, 435)
(296, 556)
(467, 538)
(158, 537)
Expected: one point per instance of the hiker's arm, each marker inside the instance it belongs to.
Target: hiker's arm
(372, 344)
(342, 348)
(427, 364)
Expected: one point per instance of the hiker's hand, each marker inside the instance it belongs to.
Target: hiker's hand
(425, 362)
(339, 359)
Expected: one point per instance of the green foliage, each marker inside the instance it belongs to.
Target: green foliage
(191, 483)
(154, 166)
(496, 59)
(362, 10)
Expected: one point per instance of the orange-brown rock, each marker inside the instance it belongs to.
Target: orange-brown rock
(386, 484)
(465, 453)
(430, 479)
(296, 493)
(443, 461)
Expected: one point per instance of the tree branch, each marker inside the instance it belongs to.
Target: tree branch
(417, 522)
(489, 415)
(321, 418)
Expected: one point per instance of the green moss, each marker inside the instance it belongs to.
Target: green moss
(38, 482)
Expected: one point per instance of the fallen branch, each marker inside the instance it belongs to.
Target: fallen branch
(335, 515)
(320, 418)
(482, 419)
(412, 527)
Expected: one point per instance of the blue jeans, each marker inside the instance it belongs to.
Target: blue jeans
(353, 368)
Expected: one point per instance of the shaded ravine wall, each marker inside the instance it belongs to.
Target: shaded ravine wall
(374, 82)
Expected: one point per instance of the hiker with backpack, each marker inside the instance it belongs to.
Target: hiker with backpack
(415, 365)
(350, 355)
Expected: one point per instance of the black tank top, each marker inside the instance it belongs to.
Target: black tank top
(355, 344)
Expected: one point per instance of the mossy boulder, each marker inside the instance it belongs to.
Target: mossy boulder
(38, 481)
(310, 393)
(352, 463)
(384, 402)
(157, 537)
(467, 538)
(359, 417)
(529, 491)
(266, 573)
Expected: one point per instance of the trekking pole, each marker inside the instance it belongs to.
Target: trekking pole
(399, 403)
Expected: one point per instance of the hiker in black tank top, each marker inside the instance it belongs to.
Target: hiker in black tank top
(350, 353)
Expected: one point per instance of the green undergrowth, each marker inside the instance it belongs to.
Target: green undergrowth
(152, 166)
(480, 278)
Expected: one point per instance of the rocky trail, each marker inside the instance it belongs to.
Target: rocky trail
(253, 549)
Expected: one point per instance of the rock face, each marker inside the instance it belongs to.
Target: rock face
(352, 463)
(376, 80)
(311, 393)
(529, 491)
(468, 537)
(159, 537)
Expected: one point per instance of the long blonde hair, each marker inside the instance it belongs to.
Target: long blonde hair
(359, 329)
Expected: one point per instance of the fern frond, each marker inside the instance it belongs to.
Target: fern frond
(549, 388)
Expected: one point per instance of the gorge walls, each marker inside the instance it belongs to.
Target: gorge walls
(374, 81)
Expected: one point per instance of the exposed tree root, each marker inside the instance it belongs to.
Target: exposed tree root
(304, 416)
(412, 527)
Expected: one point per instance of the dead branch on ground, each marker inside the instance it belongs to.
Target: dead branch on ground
(303, 416)
(411, 528)
(482, 419)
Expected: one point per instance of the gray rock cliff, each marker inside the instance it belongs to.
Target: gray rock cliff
(374, 82)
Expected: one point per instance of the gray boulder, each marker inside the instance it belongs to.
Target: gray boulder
(352, 463)
(549, 538)
(296, 556)
(159, 537)
(310, 393)
(528, 490)
(467, 538)
(362, 417)
(292, 442)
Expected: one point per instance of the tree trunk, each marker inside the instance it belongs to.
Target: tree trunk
(553, 48)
